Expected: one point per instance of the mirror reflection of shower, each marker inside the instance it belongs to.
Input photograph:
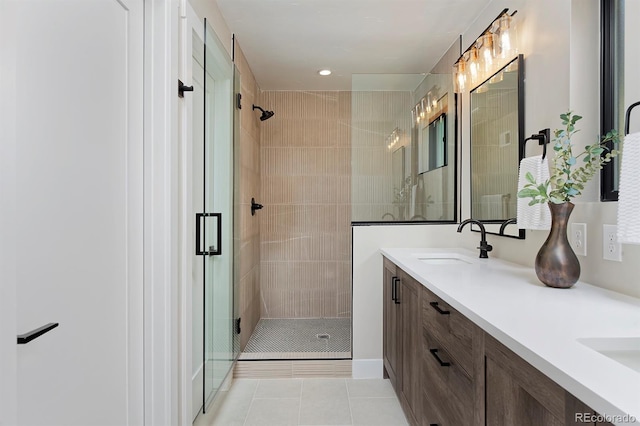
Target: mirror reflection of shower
(265, 113)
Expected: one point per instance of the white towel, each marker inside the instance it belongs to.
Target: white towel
(538, 216)
(629, 191)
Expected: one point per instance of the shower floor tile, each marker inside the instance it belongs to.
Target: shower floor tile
(324, 338)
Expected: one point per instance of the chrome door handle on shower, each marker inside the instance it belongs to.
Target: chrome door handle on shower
(213, 251)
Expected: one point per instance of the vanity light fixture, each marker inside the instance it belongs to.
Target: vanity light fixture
(489, 50)
(393, 138)
(325, 72)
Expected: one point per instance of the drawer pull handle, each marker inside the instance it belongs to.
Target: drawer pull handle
(435, 306)
(434, 352)
(394, 291)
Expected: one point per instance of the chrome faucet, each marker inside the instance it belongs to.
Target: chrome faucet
(505, 223)
(484, 246)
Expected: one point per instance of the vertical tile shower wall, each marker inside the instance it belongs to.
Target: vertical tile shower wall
(247, 244)
(305, 226)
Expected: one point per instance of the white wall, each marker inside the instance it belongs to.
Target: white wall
(560, 42)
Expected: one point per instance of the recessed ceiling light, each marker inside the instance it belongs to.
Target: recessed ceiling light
(324, 72)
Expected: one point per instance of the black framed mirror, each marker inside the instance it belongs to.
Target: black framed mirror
(497, 135)
(620, 87)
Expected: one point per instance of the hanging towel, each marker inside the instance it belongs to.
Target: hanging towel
(629, 191)
(538, 216)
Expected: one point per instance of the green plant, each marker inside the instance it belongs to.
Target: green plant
(567, 179)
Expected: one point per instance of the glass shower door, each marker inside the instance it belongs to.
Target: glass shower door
(217, 219)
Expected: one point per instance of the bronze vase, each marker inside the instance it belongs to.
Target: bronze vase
(556, 263)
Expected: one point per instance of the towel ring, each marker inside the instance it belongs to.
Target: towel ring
(627, 117)
(542, 137)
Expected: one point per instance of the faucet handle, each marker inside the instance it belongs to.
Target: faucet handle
(485, 246)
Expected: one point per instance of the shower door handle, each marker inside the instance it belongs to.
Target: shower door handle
(213, 250)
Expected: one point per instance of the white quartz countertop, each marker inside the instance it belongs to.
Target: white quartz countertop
(543, 325)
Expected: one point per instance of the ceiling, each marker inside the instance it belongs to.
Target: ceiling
(286, 42)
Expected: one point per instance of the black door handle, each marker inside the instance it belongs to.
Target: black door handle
(34, 334)
(213, 251)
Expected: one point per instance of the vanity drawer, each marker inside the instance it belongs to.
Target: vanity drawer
(447, 388)
(449, 327)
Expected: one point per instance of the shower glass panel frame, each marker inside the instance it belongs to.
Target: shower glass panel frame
(220, 348)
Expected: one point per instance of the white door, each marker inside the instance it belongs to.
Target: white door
(72, 211)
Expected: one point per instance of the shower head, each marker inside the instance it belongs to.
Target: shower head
(265, 114)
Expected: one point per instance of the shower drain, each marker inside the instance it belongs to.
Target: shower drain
(323, 336)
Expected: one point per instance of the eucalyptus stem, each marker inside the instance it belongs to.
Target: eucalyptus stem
(567, 180)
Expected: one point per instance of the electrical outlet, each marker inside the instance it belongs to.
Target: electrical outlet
(579, 238)
(611, 248)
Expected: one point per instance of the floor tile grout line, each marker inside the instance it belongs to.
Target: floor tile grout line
(246, 416)
(300, 404)
(349, 401)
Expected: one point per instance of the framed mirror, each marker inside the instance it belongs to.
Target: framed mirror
(620, 85)
(497, 132)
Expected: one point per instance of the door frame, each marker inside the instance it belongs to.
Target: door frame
(161, 204)
(189, 22)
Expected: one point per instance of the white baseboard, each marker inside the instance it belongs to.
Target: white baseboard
(367, 368)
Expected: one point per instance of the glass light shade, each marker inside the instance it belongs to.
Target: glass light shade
(413, 115)
(417, 113)
(504, 35)
(424, 108)
(485, 52)
(460, 76)
(473, 65)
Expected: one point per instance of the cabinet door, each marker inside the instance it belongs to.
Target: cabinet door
(518, 394)
(411, 326)
(447, 391)
(391, 318)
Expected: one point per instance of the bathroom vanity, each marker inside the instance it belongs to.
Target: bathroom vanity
(471, 341)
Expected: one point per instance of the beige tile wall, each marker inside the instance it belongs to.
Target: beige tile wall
(375, 116)
(305, 226)
(247, 243)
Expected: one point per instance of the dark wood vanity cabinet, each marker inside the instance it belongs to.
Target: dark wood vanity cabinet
(447, 371)
(448, 382)
(518, 393)
(411, 390)
(401, 337)
(391, 336)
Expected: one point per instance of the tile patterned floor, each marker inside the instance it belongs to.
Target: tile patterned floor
(310, 338)
(281, 402)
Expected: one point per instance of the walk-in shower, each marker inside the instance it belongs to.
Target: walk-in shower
(304, 227)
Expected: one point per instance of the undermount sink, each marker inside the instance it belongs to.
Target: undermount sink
(442, 258)
(624, 350)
